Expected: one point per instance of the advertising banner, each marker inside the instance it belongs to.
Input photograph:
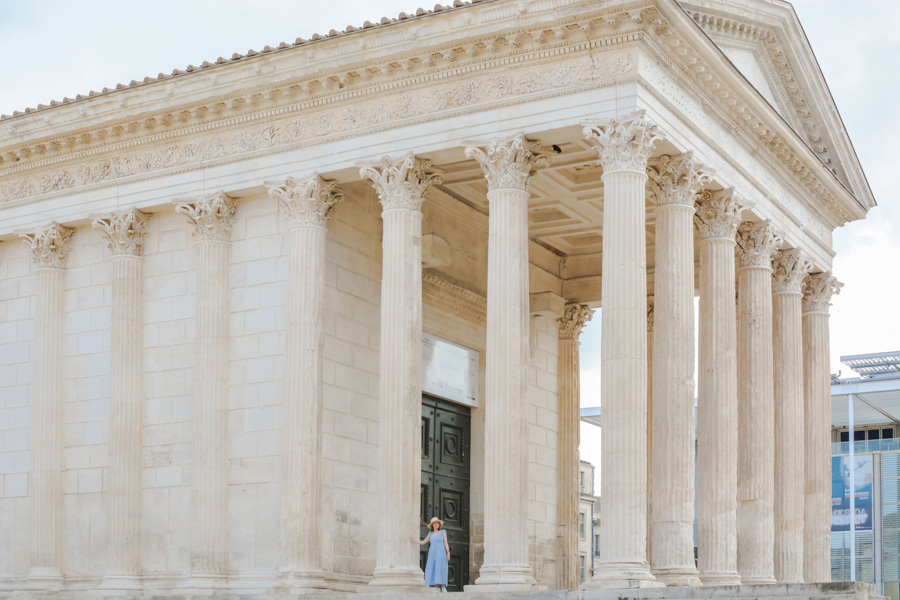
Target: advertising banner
(840, 492)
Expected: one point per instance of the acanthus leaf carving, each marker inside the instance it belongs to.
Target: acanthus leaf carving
(757, 243)
(401, 183)
(212, 216)
(818, 290)
(49, 245)
(510, 163)
(676, 180)
(125, 231)
(790, 268)
(718, 214)
(308, 201)
(623, 144)
(573, 321)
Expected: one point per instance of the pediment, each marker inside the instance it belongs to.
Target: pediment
(766, 43)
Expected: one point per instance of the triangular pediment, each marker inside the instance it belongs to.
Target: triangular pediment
(766, 43)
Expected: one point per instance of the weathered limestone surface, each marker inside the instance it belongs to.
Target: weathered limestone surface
(125, 232)
(790, 269)
(212, 217)
(508, 166)
(718, 215)
(400, 185)
(49, 247)
(570, 326)
(674, 181)
(757, 243)
(306, 204)
(623, 146)
(817, 292)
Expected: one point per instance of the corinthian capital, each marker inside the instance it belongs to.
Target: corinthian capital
(757, 243)
(511, 163)
(818, 290)
(49, 246)
(623, 144)
(307, 201)
(573, 320)
(790, 269)
(124, 230)
(212, 216)
(718, 214)
(401, 183)
(676, 179)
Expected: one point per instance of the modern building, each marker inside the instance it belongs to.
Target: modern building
(588, 505)
(264, 316)
(867, 403)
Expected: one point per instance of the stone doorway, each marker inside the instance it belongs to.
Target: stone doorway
(446, 429)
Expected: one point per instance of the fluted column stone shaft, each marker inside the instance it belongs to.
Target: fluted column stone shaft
(400, 185)
(212, 217)
(674, 182)
(125, 233)
(623, 145)
(791, 267)
(508, 166)
(757, 243)
(718, 215)
(306, 203)
(817, 292)
(568, 439)
(49, 248)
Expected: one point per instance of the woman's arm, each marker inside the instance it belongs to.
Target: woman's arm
(446, 544)
(422, 543)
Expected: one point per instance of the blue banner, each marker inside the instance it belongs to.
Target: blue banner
(840, 492)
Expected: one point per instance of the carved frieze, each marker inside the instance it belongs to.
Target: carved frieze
(623, 144)
(757, 243)
(401, 183)
(573, 320)
(212, 216)
(49, 246)
(125, 231)
(790, 268)
(718, 214)
(307, 201)
(818, 290)
(510, 163)
(440, 293)
(676, 179)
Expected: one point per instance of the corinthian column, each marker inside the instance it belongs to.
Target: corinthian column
(212, 217)
(306, 203)
(756, 428)
(400, 185)
(49, 247)
(508, 166)
(791, 267)
(718, 215)
(817, 292)
(674, 182)
(570, 326)
(623, 145)
(125, 233)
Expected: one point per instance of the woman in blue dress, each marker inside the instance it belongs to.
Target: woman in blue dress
(438, 555)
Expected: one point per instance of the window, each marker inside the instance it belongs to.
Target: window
(581, 480)
(597, 544)
(581, 525)
(581, 569)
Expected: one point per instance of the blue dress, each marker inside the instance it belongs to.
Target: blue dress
(436, 567)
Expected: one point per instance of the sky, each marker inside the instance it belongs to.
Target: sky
(56, 48)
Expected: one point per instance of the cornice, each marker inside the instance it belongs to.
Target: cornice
(442, 294)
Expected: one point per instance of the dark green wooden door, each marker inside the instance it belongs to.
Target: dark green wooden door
(446, 428)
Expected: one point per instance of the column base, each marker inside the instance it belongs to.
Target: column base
(504, 578)
(619, 576)
(303, 582)
(121, 584)
(44, 578)
(758, 580)
(720, 579)
(677, 577)
(204, 584)
(411, 577)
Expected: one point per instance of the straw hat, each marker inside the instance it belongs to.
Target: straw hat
(431, 523)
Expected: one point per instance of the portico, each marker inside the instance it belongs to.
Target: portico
(274, 257)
